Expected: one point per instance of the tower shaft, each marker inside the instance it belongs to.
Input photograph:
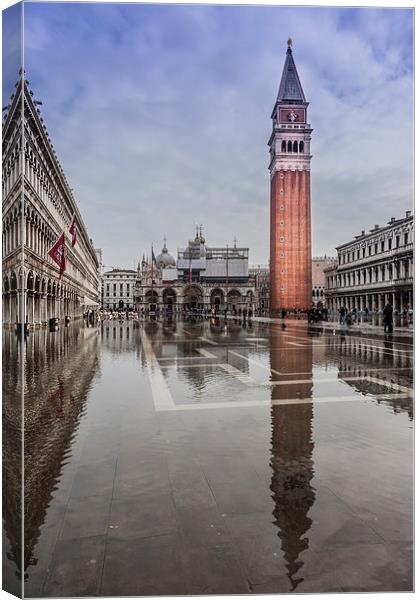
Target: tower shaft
(290, 210)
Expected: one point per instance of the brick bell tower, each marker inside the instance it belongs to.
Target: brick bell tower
(290, 213)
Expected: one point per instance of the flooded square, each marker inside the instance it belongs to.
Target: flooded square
(214, 457)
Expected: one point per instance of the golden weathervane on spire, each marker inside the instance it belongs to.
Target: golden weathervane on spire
(289, 43)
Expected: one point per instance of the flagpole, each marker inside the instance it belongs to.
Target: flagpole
(227, 273)
(152, 277)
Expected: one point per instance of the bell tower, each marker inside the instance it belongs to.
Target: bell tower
(290, 211)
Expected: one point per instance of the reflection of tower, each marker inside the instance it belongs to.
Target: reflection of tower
(292, 448)
(290, 213)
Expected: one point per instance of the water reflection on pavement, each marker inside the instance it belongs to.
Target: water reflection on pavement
(212, 457)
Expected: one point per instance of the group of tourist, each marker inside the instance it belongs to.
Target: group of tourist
(348, 317)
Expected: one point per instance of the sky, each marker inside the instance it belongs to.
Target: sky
(160, 115)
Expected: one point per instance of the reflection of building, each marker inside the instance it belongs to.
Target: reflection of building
(357, 358)
(201, 278)
(290, 220)
(118, 289)
(59, 370)
(12, 463)
(48, 210)
(292, 449)
(375, 268)
(120, 336)
(318, 277)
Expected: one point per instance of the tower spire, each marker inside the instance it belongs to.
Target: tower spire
(290, 89)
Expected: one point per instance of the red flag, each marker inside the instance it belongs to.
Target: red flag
(58, 253)
(73, 232)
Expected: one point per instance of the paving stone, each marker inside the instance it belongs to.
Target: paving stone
(76, 567)
(142, 516)
(144, 567)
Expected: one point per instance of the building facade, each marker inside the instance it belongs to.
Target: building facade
(118, 289)
(202, 278)
(38, 206)
(374, 269)
(290, 209)
(319, 264)
(261, 280)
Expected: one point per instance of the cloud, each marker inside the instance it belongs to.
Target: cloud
(11, 49)
(161, 115)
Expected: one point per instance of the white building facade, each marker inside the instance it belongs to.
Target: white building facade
(118, 289)
(38, 206)
(374, 269)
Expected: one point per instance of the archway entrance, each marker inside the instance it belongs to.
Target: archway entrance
(193, 298)
(151, 299)
(217, 300)
(169, 300)
(234, 300)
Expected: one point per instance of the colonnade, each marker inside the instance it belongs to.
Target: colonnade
(42, 299)
(400, 300)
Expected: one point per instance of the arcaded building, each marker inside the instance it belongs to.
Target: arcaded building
(290, 210)
(375, 268)
(33, 290)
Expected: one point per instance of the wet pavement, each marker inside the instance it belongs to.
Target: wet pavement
(216, 458)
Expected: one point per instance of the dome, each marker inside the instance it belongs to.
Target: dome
(164, 259)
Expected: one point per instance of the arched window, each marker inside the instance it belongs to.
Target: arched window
(289, 146)
(283, 146)
(300, 146)
(295, 146)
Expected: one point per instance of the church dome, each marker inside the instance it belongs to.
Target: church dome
(164, 259)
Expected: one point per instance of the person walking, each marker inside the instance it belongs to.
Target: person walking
(388, 318)
(342, 313)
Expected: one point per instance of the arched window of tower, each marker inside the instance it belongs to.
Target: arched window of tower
(289, 146)
(295, 146)
(283, 146)
(300, 146)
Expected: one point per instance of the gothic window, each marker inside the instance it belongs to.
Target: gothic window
(289, 146)
(300, 146)
(295, 146)
(283, 146)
